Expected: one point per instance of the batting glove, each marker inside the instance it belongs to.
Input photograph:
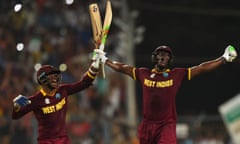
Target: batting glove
(230, 53)
(101, 55)
(21, 101)
(95, 55)
(95, 64)
(96, 59)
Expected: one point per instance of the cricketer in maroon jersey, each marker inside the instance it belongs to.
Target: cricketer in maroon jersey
(49, 105)
(159, 89)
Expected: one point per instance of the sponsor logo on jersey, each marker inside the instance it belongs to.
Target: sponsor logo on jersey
(47, 101)
(152, 75)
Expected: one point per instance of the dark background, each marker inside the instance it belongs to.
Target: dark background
(197, 31)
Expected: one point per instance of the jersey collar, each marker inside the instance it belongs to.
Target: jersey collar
(44, 93)
(165, 71)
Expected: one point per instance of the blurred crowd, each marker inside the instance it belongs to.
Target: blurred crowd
(55, 33)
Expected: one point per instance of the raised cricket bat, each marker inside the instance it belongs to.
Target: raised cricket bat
(106, 27)
(100, 33)
(96, 23)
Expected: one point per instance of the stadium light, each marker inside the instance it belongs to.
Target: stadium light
(18, 4)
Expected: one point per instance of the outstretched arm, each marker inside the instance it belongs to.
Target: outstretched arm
(229, 55)
(117, 66)
(120, 67)
(206, 66)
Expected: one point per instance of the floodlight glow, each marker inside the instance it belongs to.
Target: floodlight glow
(20, 46)
(37, 66)
(17, 7)
(63, 67)
(69, 2)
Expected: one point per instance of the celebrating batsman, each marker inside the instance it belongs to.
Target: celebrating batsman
(159, 87)
(49, 105)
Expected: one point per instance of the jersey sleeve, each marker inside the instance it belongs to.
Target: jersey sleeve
(183, 73)
(189, 74)
(16, 114)
(137, 72)
(78, 86)
(134, 73)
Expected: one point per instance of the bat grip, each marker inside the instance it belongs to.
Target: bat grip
(101, 47)
(103, 70)
(97, 61)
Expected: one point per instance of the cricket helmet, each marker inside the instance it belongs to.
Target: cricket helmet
(162, 48)
(44, 71)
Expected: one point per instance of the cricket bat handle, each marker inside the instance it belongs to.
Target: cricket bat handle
(101, 47)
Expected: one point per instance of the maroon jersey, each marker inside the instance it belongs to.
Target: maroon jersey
(159, 93)
(50, 111)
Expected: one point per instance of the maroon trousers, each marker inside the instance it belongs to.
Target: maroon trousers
(60, 140)
(155, 133)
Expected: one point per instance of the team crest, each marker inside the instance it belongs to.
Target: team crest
(47, 101)
(58, 95)
(165, 74)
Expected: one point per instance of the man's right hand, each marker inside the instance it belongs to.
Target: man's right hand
(101, 55)
(21, 101)
(230, 54)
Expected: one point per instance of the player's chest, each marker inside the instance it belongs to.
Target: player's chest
(154, 80)
(52, 104)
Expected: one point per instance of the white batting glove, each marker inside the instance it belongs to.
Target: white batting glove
(95, 64)
(230, 53)
(95, 59)
(101, 55)
(95, 56)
